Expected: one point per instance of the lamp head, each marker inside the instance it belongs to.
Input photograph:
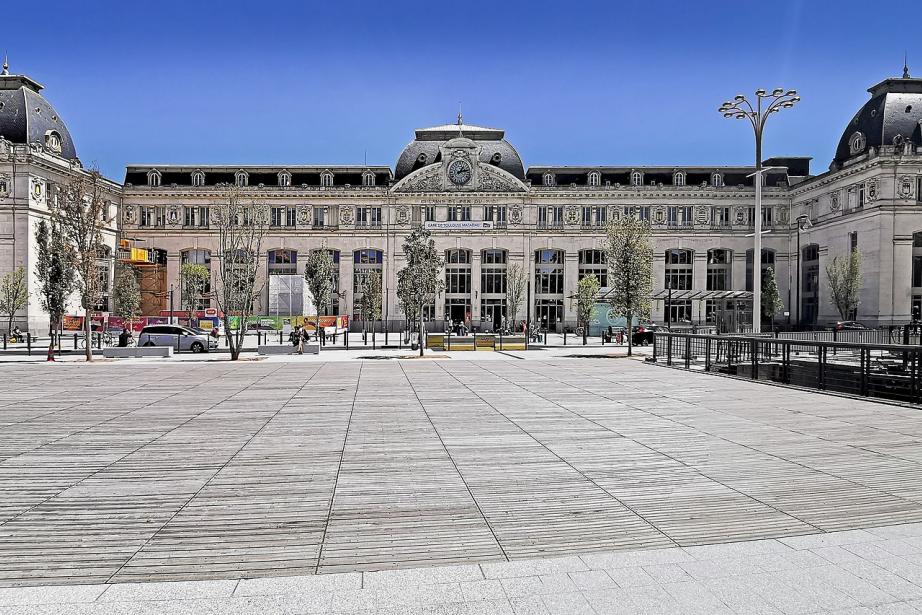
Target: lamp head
(778, 92)
(760, 92)
(739, 98)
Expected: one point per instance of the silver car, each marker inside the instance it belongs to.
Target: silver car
(178, 337)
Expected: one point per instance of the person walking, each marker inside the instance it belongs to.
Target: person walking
(295, 338)
(305, 338)
(323, 336)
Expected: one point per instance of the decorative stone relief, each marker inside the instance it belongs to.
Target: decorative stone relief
(659, 215)
(739, 215)
(784, 214)
(346, 215)
(6, 149)
(515, 215)
(904, 188)
(614, 214)
(702, 214)
(129, 214)
(572, 215)
(834, 203)
(872, 191)
(403, 215)
(4, 185)
(304, 215)
(492, 180)
(429, 180)
(173, 216)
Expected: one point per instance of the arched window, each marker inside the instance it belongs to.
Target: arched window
(368, 178)
(326, 179)
(198, 178)
(719, 269)
(365, 263)
(717, 179)
(679, 269)
(636, 178)
(595, 178)
(593, 262)
(549, 288)
(241, 178)
(153, 178)
(202, 294)
(458, 285)
(678, 178)
(768, 262)
(53, 141)
(810, 283)
(493, 267)
(284, 179)
(548, 179)
(283, 262)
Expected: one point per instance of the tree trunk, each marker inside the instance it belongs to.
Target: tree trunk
(630, 334)
(88, 332)
(421, 332)
(585, 333)
(318, 332)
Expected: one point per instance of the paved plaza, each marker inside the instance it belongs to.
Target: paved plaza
(141, 472)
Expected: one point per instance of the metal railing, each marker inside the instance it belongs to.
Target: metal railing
(886, 371)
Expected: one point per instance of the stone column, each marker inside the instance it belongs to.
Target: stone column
(699, 283)
(173, 265)
(475, 286)
(900, 278)
(345, 284)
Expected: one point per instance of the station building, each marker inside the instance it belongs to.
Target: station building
(489, 211)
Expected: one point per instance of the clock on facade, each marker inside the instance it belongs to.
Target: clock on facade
(459, 172)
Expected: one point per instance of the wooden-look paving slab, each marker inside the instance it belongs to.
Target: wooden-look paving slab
(121, 472)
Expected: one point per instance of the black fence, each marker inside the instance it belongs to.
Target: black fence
(886, 371)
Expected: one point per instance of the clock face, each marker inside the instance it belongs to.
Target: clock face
(459, 172)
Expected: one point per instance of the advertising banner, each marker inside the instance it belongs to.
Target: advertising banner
(460, 225)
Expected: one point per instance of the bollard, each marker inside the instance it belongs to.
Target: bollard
(29, 343)
(75, 341)
(280, 337)
(545, 337)
(4, 341)
(564, 336)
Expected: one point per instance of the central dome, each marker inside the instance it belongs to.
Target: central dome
(27, 118)
(891, 117)
(424, 149)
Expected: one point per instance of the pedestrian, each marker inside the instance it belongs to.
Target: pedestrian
(323, 336)
(305, 337)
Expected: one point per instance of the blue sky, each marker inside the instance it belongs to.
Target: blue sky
(570, 82)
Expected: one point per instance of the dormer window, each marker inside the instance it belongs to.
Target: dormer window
(153, 178)
(678, 178)
(856, 143)
(241, 178)
(284, 178)
(548, 179)
(368, 178)
(198, 179)
(717, 180)
(636, 178)
(326, 179)
(53, 141)
(595, 178)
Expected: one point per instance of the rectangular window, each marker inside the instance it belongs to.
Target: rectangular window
(368, 216)
(542, 217)
(459, 214)
(558, 215)
(601, 217)
(277, 216)
(291, 217)
(587, 216)
(320, 216)
(853, 241)
(152, 216)
(500, 219)
(722, 216)
(430, 213)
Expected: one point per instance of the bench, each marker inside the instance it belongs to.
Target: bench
(134, 352)
(287, 349)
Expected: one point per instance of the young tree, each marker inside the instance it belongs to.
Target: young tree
(14, 295)
(516, 288)
(586, 291)
(421, 277)
(126, 294)
(371, 301)
(844, 279)
(318, 273)
(195, 278)
(79, 209)
(55, 272)
(771, 298)
(241, 225)
(630, 270)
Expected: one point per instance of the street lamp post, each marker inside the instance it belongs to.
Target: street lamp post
(740, 108)
(803, 223)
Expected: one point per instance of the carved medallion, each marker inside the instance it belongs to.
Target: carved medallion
(572, 215)
(834, 201)
(659, 215)
(173, 216)
(739, 215)
(129, 214)
(304, 215)
(403, 215)
(904, 188)
(515, 215)
(784, 214)
(346, 215)
(701, 214)
(872, 191)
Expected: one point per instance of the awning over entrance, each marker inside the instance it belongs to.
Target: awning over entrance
(682, 295)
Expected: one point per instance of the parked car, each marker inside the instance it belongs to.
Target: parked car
(177, 337)
(851, 325)
(643, 335)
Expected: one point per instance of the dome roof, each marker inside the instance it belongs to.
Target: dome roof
(424, 149)
(891, 117)
(27, 118)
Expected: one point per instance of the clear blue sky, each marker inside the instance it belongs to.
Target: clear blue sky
(607, 82)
